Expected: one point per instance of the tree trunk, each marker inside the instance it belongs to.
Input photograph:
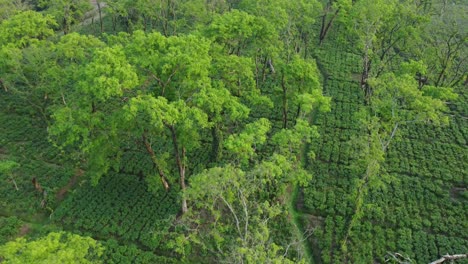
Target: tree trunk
(14, 182)
(3, 85)
(216, 143)
(365, 75)
(36, 184)
(326, 25)
(180, 157)
(298, 112)
(150, 151)
(285, 103)
(114, 23)
(100, 16)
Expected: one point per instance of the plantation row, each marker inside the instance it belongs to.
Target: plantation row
(24, 141)
(420, 212)
(374, 241)
(119, 206)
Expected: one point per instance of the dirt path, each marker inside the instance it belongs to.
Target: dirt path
(24, 230)
(63, 191)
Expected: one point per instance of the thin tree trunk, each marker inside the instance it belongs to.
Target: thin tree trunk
(365, 75)
(392, 135)
(264, 68)
(3, 85)
(100, 16)
(298, 112)
(150, 151)
(14, 182)
(114, 23)
(285, 103)
(326, 25)
(216, 143)
(181, 165)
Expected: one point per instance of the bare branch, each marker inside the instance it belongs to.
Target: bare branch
(308, 233)
(449, 257)
(399, 258)
(233, 213)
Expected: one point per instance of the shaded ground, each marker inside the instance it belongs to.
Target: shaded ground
(24, 230)
(73, 180)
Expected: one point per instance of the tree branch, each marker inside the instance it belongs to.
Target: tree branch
(449, 257)
(233, 213)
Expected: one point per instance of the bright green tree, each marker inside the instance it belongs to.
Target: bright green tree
(175, 122)
(6, 168)
(88, 114)
(26, 28)
(298, 78)
(54, 248)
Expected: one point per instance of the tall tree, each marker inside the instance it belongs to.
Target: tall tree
(397, 102)
(243, 34)
(25, 52)
(6, 168)
(160, 105)
(298, 32)
(235, 226)
(26, 28)
(157, 119)
(298, 77)
(368, 18)
(87, 117)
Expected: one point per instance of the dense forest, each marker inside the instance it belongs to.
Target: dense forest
(233, 131)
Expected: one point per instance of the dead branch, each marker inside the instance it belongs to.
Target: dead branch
(449, 257)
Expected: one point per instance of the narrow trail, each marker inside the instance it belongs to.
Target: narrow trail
(71, 183)
(296, 202)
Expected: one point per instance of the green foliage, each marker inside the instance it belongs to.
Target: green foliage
(413, 193)
(444, 46)
(55, 247)
(178, 65)
(244, 230)
(9, 8)
(243, 145)
(107, 75)
(66, 12)
(9, 228)
(222, 102)
(242, 34)
(7, 166)
(26, 28)
(397, 99)
(115, 253)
